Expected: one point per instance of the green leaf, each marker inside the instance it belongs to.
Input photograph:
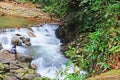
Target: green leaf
(68, 63)
(113, 49)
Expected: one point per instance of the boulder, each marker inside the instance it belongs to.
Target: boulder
(25, 74)
(5, 67)
(24, 59)
(23, 39)
(26, 41)
(16, 41)
(31, 34)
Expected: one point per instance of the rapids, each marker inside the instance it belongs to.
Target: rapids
(45, 48)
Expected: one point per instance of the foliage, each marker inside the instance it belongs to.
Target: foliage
(1, 77)
(95, 55)
(64, 74)
(86, 15)
(101, 17)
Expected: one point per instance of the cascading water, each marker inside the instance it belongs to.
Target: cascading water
(45, 48)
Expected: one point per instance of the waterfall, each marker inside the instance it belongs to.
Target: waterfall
(45, 48)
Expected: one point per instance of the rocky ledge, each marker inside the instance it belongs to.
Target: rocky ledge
(11, 69)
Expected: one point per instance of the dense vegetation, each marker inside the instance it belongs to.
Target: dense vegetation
(99, 17)
(102, 19)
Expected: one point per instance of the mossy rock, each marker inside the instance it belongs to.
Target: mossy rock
(110, 75)
(25, 74)
(4, 67)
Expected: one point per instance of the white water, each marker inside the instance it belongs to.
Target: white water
(45, 48)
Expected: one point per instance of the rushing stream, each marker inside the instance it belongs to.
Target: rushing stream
(45, 48)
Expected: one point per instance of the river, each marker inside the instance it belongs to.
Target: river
(45, 48)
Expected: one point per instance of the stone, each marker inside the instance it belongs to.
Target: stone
(29, 77)
(1, 46)
(31, 34)
(20, 75)
(16, 41)
(5, 67)
(11, 78)
(17, 34)
(23, 39)
(24, 59)
(25, 74)
(26, 41)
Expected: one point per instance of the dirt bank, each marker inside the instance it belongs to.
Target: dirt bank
(27, 10)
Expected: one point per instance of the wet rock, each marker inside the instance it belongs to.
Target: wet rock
(25, 74)
(33, 66)
(66, 33)
(1, 46)
(25, 59)
(26, 41)
(17, 34)
(31, 34)
(16, 41)
(4, 67)
(23, 39)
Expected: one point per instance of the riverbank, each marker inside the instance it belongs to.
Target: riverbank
(25, 10)
(11, 69)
